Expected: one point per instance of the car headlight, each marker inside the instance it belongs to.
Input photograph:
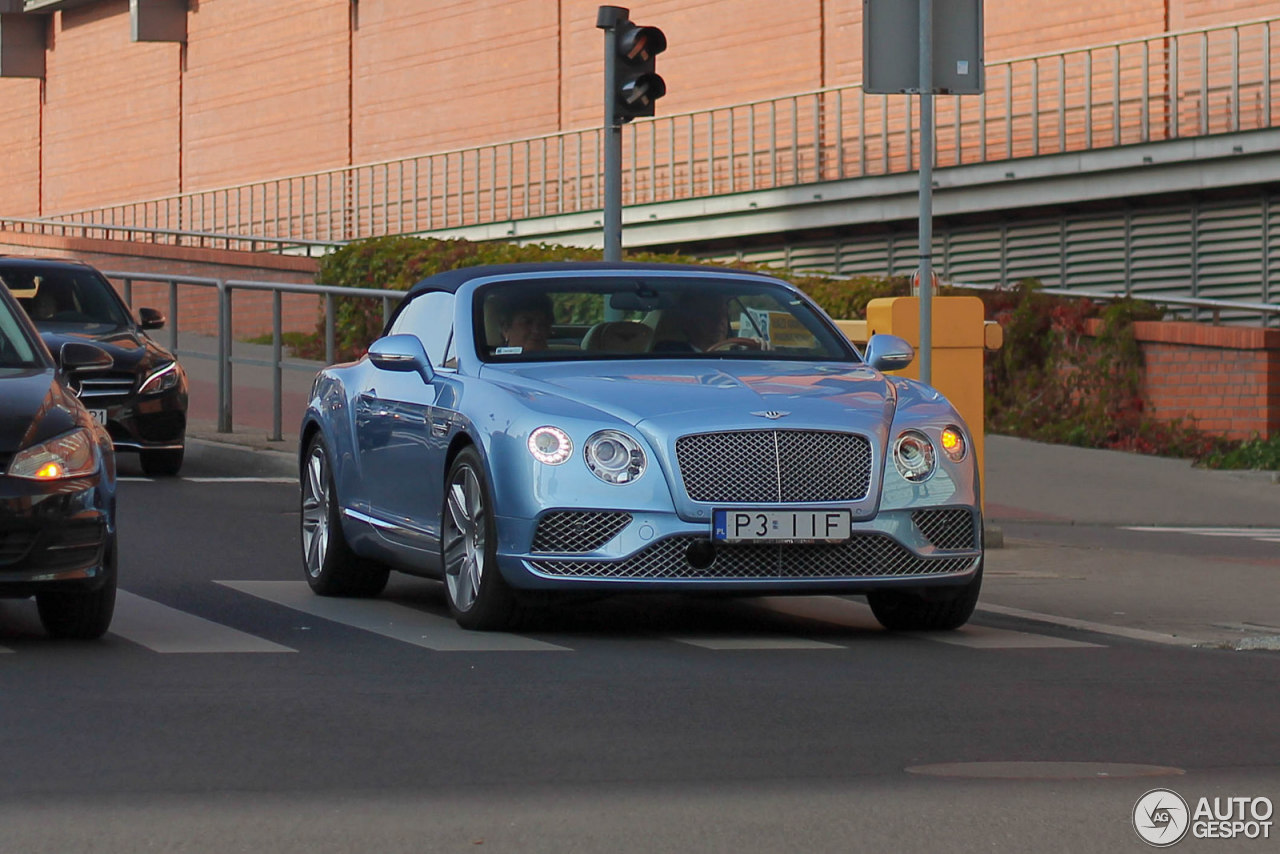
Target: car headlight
(614, 457)
(953, 444)
(160, 380)
(550, 445)
(914, 456)
(68, 455)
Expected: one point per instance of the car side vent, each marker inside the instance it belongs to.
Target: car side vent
(949, 528)
(577, 531)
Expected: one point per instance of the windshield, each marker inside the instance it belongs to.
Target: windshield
(76, 298)
(16, 351)
(650, 317)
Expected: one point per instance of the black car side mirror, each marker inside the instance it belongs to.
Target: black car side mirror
(77, 356)
(150, 318)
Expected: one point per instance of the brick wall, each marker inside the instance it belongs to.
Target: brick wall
(267, 89)
(1226, 378)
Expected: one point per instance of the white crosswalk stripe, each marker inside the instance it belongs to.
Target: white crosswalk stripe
(169, 630)
(857, 615)
(1262, 535)
(389, 619)
(837, 623)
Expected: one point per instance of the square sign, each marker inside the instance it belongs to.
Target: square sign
(891, 47)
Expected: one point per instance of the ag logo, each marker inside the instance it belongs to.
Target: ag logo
(1161, 818)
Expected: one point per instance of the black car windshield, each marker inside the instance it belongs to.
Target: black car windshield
(78, 298)
(16, 351)
(657, 317)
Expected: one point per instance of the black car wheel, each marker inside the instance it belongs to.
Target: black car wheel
(82, 615)
(937, 609)
(479, 597)
(332, 568)
(162, 463)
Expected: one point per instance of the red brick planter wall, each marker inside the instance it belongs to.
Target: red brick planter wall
(1226, 378)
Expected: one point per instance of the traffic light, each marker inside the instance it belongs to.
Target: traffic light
(636, 85)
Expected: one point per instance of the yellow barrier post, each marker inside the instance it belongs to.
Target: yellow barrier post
(961, 334)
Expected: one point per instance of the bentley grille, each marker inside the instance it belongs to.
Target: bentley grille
(577, 531)
(864, 556)
(950, 528)
(770, 466)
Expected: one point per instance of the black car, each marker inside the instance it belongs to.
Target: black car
(142, 396)
(57, 483)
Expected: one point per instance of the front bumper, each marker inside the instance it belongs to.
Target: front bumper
(52, 537)
(933, 546)
(154, 422)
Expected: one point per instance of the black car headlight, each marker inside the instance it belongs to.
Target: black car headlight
(65, 456)
(161, 379)
(914, 456)
(614, 457)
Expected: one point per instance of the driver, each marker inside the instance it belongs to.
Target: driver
(704, 326)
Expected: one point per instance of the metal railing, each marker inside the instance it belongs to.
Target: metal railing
(219, 310)
(168, 236)
(219, 302)
(1178, 84)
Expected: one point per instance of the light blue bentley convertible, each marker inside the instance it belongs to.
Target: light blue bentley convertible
(524, 430)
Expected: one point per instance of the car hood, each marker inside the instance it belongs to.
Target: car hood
(724, 392)
(34, 406)
(130, 348)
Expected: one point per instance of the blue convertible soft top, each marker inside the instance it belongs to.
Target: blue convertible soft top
(451, 280)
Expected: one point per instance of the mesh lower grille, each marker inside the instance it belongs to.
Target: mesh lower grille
(951, 528)
(576, 531)
(865, 556)
(771, 466)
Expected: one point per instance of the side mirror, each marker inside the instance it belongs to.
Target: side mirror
(150, 318)
(77, 356)
(888, 353)
(401, 353)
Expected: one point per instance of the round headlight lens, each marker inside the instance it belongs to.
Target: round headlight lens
(614, 457)
(914, 456)
(550, 445)
(953, 444)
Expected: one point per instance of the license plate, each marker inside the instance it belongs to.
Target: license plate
(781, 526)
(99, 415)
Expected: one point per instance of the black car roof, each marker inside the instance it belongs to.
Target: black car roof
(28, 261)
(451, 280)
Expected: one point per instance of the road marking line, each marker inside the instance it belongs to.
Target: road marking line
(390, 620)
(4, 649)
(846, 612)
(1100, 628)
(730, 642)
(289, 480)
(168, 630)
(983, 637)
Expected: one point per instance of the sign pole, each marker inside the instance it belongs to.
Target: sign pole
(926, 192)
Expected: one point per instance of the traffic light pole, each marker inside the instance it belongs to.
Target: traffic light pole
(607, 19)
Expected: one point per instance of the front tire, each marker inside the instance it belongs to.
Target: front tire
(82, 615)
(932, 610)
(332, 568)
(479, 597)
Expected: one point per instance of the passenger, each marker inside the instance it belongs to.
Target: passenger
(703, 326)
(525, 321)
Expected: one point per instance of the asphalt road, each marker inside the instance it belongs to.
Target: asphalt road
(231, 710)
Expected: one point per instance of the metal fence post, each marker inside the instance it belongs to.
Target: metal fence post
(224, 357)
(277, 378)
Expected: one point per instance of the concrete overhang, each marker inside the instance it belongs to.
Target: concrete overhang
(1181, 165)
(53, 5)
